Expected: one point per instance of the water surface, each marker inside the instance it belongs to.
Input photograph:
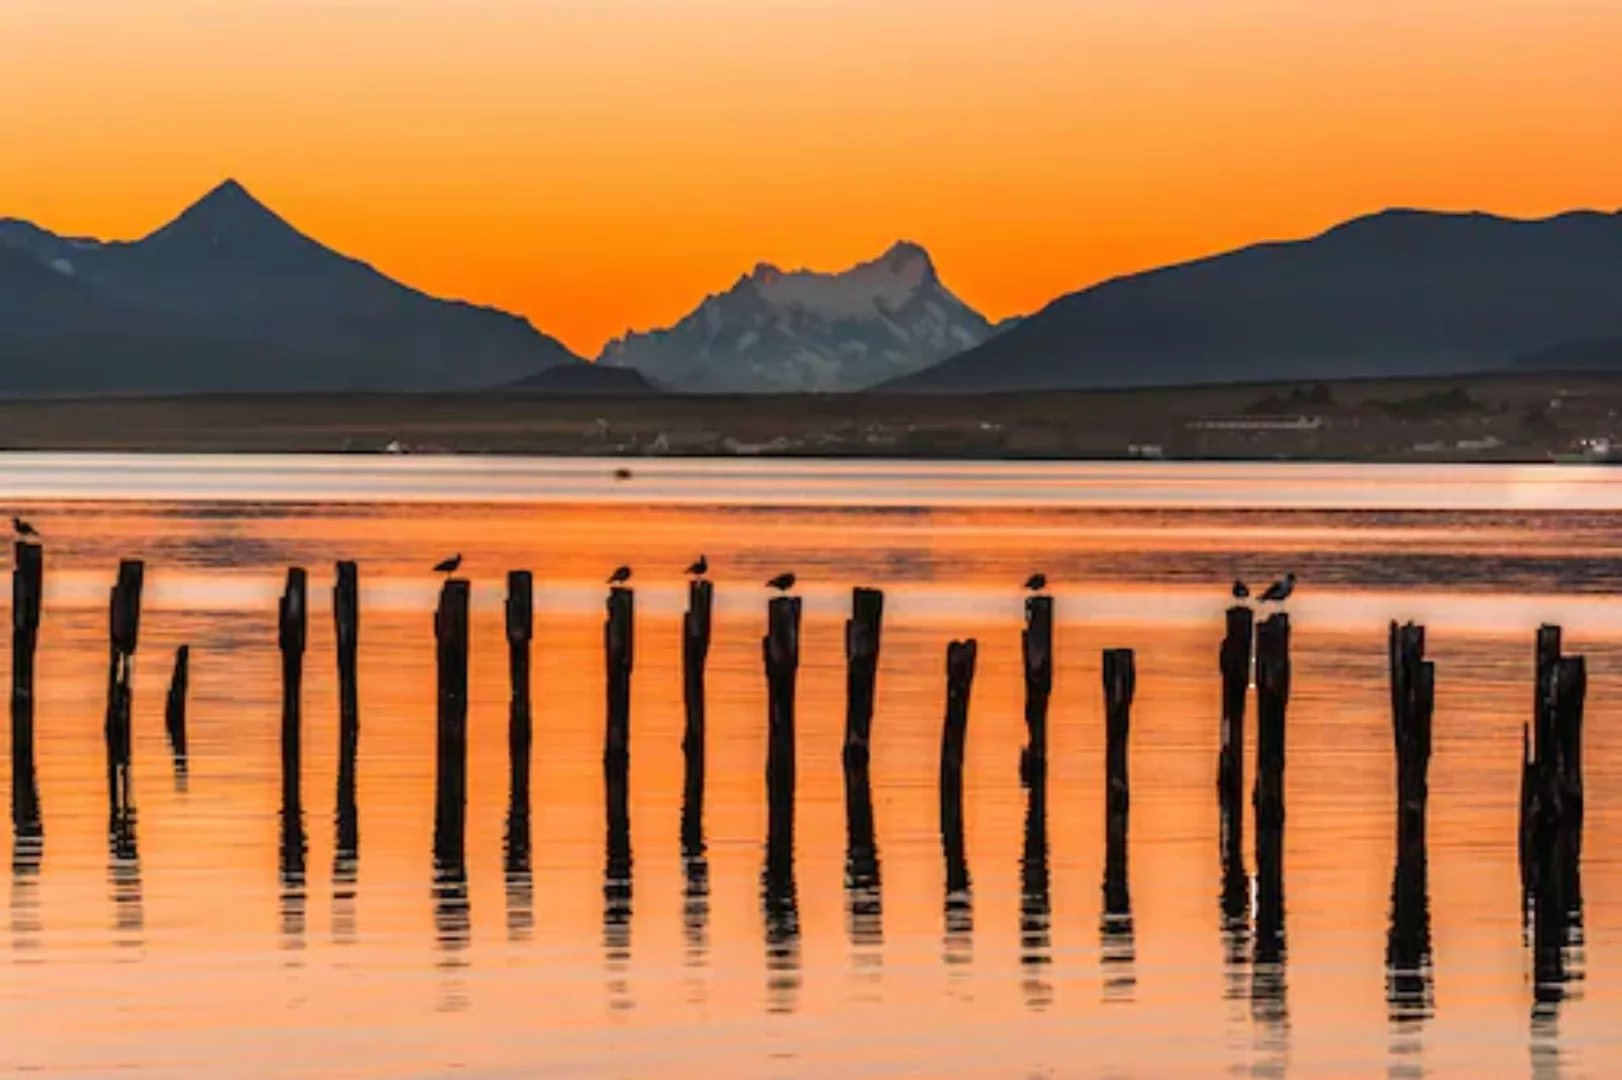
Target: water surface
(187, 951)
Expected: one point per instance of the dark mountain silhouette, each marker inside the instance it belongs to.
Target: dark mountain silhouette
(1397, 293)
(229, 297)
(585, 379)
(1604, 354)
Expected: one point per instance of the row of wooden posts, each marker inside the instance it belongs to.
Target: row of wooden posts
(1551, 812)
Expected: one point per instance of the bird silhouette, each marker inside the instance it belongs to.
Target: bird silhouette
(620, 576)
(1036, 582)
(448, 566)
(622, 474)
(782, 582)
(22, 528)
(1241, 591)
(700, 567)
(1279, 591)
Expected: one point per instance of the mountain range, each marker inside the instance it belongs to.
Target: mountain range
(799, 330)
(230, 297)
(1402, 292)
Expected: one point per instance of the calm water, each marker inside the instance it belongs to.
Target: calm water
(195, 957)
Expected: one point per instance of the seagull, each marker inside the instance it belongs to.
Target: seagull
(782, 582)
(1279, 591)
(448, 566)
(622, 474)
(699, 567)
(1241, 591)
(1036, 582)
(620, 576)
(22, 528)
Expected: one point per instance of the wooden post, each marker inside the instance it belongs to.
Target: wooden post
(1120, 685)
(863, 635)
(346, 627)
(520, 725)
(1408, 946)
(863, 885)
(27, 586)
(450, 789)
(1546, 657)
(1234, 660)
(174, 713)
(695, 651)
(1037, 649)
(1555, 847)
(619, 657)
(1272, 704)
(124, 635)
(781, 651)
(292, 627)
(959, 913)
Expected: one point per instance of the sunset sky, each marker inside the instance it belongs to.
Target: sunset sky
(602, 164)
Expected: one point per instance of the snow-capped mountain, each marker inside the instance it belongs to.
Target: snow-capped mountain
(796, 330)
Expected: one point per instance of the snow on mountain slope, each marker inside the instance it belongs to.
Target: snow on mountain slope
(777, 330)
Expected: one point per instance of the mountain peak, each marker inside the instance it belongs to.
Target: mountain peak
(905, 252)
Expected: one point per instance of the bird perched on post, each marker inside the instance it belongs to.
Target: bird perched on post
(1036, 582)
(448, 566)
(1279, 591)
(782, 582)
(620, 576)
(1241, 591)
(22, 528)
(700, 567)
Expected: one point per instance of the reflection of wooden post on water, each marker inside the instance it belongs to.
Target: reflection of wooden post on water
(1037, 648)
(450, 789)
(1117, 943)
(124, 633)
(1408, 949)
(174, 712)
(27, 585)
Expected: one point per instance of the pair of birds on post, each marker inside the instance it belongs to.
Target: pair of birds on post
(700, 567)
(1276, 593)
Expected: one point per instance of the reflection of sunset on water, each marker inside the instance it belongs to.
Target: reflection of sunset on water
(391, 978)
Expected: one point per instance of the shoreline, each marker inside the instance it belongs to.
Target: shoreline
(1500, 418)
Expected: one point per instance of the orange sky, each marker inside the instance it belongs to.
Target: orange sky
(601, 164)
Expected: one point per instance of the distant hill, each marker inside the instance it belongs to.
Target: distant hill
(778, 331)
(1600, 355)
(1398, 293)
(585, 379)
(229, 297)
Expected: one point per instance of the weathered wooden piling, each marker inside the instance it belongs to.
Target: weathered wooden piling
(346, 630)
(174, 712)
(124, 635)
(1234, 661)
(1120, 685)
(292, 628)
(695, 652)
(863, 636)
(619, 657)
(1272, 704)
(1037, 649)
(1409, 991)
(520, 612)
(781, 651)
(1552, 816)
(961, 657)
(450, 789)
(27, 587)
